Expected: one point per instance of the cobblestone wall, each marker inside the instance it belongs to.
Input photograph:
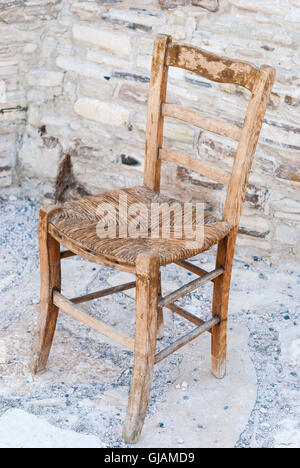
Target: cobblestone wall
(74, 78)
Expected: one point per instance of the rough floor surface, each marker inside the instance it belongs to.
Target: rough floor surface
(85, 388)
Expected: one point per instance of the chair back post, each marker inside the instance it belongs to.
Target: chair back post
(155, 120)
(247, 145)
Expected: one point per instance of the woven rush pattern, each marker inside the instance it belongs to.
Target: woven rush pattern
(78, 221)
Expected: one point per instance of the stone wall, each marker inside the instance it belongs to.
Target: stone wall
(74, 78)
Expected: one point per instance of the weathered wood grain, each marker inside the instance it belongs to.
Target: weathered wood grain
(50, 277)
(75, 227)
(69, 308)
(189, 287)
(247, 145)
(203, 168)
(211, 66)
(67, 254)
(198, 120)
(147, 291)
(206, 326)
(185, 314)
(225, 256)
(192, 268)
(155, 120)
(103, 293)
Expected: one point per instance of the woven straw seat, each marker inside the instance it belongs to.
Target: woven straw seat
(78, 221)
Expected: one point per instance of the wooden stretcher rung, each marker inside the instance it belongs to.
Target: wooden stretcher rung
(187, 288)
(103, 293)
(193, 268)
(186, 339)
(69, 308)
(185, 314)
(67, 254)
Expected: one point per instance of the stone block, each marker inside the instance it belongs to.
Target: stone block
(109, 40)
(108, 60)
(137, 16)
(253, 243)
(287, 205)
(37, 161)
(29, 48)
(7, 156)
(289, 172)
(100, 111)
(23, 430)
(267, 7)
(179, 132)
(33, 115)
(45, 78)
(287, 234)
(255, 226)
(5, 176)
(81, 67)
(36, 95)
(86, 11)
(133, 93)
(2, 92)
(144, 62)
(52, 119)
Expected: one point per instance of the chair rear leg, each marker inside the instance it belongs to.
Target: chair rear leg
(147, 291)
(50, 274)
(220, 304)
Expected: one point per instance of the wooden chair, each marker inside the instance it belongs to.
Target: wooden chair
(74, 226)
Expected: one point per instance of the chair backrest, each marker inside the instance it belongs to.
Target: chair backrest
(258, 81)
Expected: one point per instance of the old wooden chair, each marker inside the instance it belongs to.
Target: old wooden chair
(74, 226)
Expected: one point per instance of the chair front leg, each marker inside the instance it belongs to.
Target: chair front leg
(50, 275)
(147, 292)
(220, 304)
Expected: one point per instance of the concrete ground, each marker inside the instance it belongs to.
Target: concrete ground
(81, 400)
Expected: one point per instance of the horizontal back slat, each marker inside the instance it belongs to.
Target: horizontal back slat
(201, 121)
(212, 66)
(204, 169)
